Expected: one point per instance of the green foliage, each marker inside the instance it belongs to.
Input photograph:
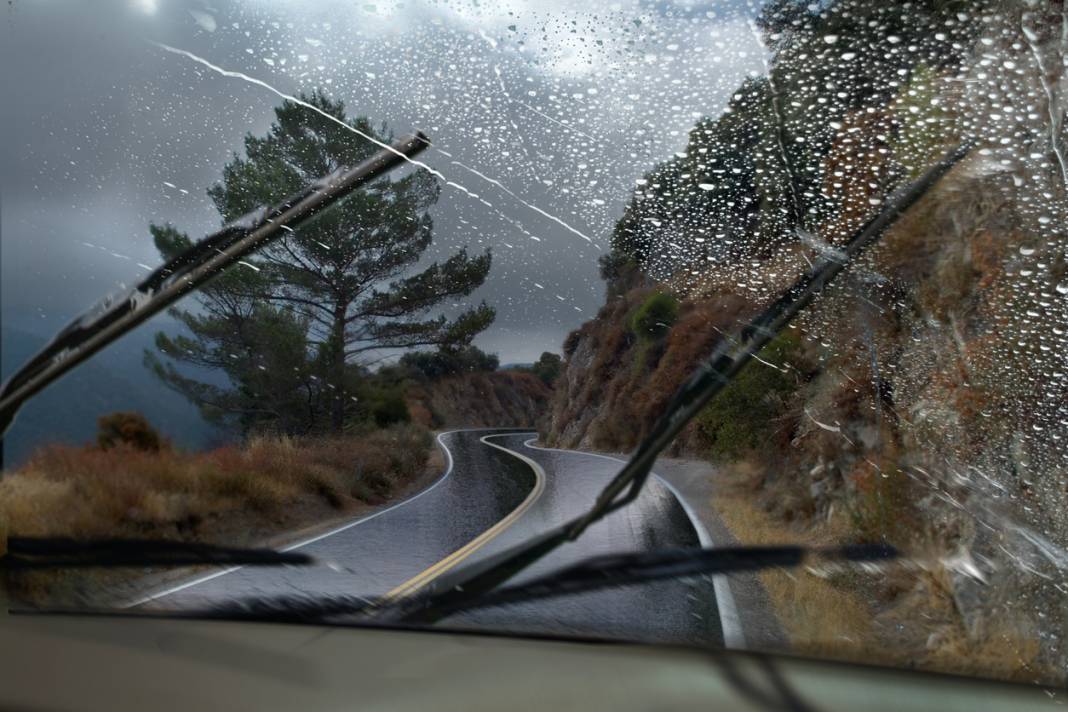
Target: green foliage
(619, 269)
(445, 362)
(547, 367)
(615, 265)
(386, 406)
(653, 320)
(130, 430)
(742, 416)
(273, 381)
(288, 332)
(571, 342)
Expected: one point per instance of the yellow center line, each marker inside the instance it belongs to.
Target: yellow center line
(429, 574)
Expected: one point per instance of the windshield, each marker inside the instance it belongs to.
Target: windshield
(456, 354)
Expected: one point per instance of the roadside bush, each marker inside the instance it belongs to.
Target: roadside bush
(654, 318)
(235, 494)
(387, 407)
(571, 342)
(881, 505)
(84, 491)
(620, 272)
(547, 367)
(130, 429)
(742, 417)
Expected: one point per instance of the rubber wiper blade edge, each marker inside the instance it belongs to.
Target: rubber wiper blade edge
(30, 553)
(590, 574)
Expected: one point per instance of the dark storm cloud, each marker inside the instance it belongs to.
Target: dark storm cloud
(84, 154)
(104, 132)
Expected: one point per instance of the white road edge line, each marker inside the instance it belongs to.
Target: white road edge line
(202, 579)
(730, 622)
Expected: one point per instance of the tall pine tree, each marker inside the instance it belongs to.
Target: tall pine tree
(289, 328)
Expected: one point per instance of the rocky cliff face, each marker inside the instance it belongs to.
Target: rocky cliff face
(615, 384)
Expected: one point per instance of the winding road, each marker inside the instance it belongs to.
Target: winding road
(498, 489)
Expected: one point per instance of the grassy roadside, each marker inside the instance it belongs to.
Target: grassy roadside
(820, 618)
(869, 619)
(235, 495)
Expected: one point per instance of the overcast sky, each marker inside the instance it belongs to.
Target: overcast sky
(547, 110)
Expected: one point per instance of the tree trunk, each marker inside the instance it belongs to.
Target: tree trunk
(337, 366)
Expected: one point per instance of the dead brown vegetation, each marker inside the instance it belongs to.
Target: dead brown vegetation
(625, 382)
(485, 398)
(234, 495)
(870, 619)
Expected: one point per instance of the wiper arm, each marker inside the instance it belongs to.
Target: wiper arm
(453, 589)
(189, 271)
(615, 570)
(24, 553)
(592, 574)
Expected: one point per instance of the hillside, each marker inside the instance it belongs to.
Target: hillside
(489, 398)
(919, 401)
(899, 414)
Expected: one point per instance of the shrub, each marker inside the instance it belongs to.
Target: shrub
(881, 506)
(620, 272)
(388, 408)
(654, 318)
(236, 494)
(571, 342)
(742, 416)
(130, 429)
(547, 367)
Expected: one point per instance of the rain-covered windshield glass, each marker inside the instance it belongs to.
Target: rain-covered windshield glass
(459, 354)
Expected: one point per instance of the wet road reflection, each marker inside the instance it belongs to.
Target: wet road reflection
(482, 486)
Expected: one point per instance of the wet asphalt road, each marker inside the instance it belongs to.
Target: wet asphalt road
(383, 550)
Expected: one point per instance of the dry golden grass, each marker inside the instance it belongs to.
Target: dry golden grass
(903, 620)
(819, 617)
(234, 495)
(86, 491)
(1003, 653)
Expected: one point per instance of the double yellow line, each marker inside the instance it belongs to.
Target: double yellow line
(429, 574)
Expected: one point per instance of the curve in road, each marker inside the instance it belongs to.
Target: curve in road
(370, 555)
(490, 498)
(730, 621)
(429, 574)
(667, 611)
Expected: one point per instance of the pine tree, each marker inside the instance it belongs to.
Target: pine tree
(289, 328)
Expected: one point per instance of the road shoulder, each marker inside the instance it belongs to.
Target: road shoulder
(695, 482)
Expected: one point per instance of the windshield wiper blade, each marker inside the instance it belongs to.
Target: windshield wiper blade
(728, 358)
(591, 574)
(25, 553)
(627, 569)
(118, 314)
